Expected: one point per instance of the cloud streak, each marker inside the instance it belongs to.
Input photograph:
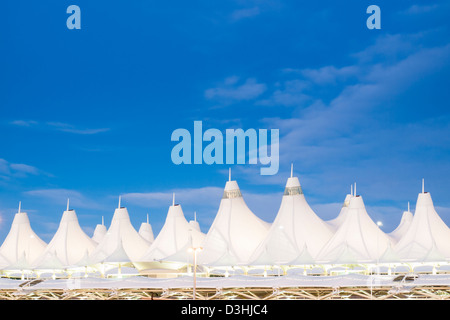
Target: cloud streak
(59, 126)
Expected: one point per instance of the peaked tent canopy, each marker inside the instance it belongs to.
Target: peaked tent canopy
(22, 241)
(403, 226)
(146, 231)
(120, 233)
(336, 222)
(235, 232)
(428, 237)
(69, 244)
(99, 232)
(194, 223)
(357, 240)
(174, 239)
(296, 234)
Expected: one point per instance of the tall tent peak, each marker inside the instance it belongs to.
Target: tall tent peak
(292, 187)
(231, 190)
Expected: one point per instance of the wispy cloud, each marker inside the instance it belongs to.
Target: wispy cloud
(24, 123)
(17, 170)
(65, 127)
(418, 9)
(290, 93)
(59, 196)
(245, 13)
(232, 90)
(59, 126)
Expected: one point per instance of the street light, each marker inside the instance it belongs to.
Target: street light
(194, 251)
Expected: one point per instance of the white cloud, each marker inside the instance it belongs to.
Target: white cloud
(17, 170)
(291, 94)
(330, 74)
(245, 13)
(65, 127)
(229, 91)
(418, 9)
(59, 197)
(24, 123)
(59, 126)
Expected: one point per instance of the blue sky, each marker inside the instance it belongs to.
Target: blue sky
(88, 114)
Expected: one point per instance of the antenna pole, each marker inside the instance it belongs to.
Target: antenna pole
(120, 198)
(173, 199)
(351, 189)
(147, 217)
(67, 204)
(229, 174)
(20, 203)
(423, 185)
(195, 216)
(292, 170)
(103, 220)
(355, 189)
(408, 206)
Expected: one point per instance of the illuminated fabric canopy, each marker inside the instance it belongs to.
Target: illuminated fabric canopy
(297, 233)
(235, 232)
(357, 240)
(69, 245)
(428, 237)
(120, 233)
(174, 239)
(22, 243)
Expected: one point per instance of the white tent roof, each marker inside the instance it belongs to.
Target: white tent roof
(120, 233)
(174, 239)
(195, 225)
(69, 244)
(428, 237)
(403, 226)
(22, 241)
(99, 233)
(235, 232)
(357, 240)
(336, 222)
(146, 231)
(296, 234)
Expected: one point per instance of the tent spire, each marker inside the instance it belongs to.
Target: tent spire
(292, 170)
(423, 185)
(355, 189)
(20, 203)
(103, 221)
(173, 199)
(147, 217)
(67, 204)
(408, 206)
(195, 216)
(229, 174)
(351, 189)
(120, 198)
